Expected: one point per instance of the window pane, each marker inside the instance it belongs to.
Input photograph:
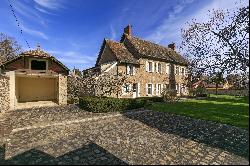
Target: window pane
(159, 67)
(149, 88)
(38, 65)
(150, 66)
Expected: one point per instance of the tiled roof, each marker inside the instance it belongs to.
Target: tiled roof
(121, 52)
(36, 52)
(149, 49)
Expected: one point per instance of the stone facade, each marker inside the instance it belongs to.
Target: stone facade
(148, 67)
(62, 95)
(4, 94)
(142, 77)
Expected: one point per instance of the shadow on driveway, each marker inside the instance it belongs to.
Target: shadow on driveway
(213, 134)
(91, 154)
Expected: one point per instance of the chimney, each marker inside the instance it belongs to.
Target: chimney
(172, 46)
(128, 30)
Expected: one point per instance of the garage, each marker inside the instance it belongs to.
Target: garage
(29, 89)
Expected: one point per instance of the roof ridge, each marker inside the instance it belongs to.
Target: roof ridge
(151, 42)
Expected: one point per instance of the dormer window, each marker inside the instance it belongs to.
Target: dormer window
(36, 64)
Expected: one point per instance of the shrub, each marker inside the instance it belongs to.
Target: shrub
(200, 91)
(153, 99)
(96, 104)
(169, 95)
(201, 95)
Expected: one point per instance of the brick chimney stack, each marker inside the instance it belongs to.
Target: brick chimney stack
(128, 30)
(172, 46)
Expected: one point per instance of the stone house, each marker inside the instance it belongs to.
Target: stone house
(31, 77)
(149, 67)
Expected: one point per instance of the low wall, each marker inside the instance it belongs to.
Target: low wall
(229, 92)
(4, 94)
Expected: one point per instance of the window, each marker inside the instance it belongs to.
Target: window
(130, 70)
(167, 68)
(178, 88)
(150, 89)
(183, 71)
(126, 88)
(158, 89)
(150, 66)
(177, 70)
(159, 67)
(38, 65)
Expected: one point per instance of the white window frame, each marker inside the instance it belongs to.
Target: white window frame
(159, 71)
(152, 67)
(126, 88)
(183, 69)
(152, 89)
(158, 89)
(178, 88)
(177, 70)
(168, 68)
(130, 69)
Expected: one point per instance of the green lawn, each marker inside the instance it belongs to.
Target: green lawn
(222, 108)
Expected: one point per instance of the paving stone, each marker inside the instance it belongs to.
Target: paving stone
(145, 138)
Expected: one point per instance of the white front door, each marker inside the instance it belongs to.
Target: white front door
(135, 90)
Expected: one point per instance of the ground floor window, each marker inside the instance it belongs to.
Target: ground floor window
(150, 89)
(178, 88)
(126, 88)
(158, 89)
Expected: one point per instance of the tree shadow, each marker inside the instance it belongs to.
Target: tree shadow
(213, 134)
(90, 154)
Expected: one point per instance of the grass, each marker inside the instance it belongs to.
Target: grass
(221, 108)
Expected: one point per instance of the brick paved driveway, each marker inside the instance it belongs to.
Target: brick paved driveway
(138, 138)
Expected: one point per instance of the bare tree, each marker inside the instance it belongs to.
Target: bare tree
(9, 48)
(219, 45)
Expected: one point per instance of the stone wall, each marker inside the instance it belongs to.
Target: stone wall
(4, 94)
(143, 77)
(62, 98)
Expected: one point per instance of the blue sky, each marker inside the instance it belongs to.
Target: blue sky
(73, 30)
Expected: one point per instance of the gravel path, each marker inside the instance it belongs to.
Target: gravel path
(143, 138)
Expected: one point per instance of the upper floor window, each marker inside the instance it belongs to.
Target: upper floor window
(159, 68)
(130, 70)
(38, 65)
(177, 70)
(150, 66)
(168, 69)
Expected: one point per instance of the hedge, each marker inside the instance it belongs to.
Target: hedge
(95, 104)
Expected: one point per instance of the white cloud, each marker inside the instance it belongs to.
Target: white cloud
(170, 29)
(43, 11)
(50, 4)
(73, 57)
(34, 32)
(113, 33)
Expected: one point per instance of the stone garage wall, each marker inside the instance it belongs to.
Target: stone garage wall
(62, 90)
(4, 94)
